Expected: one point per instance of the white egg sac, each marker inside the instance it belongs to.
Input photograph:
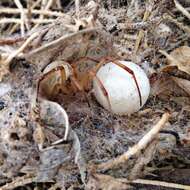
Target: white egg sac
(116, 90)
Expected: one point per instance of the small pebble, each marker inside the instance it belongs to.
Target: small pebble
(2, 105)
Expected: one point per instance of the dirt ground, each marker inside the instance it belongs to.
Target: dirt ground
(33, 154)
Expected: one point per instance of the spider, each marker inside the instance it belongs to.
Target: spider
(77, 59)
(62, 76)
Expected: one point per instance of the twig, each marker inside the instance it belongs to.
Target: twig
(143, 160)
(142, 144)
(25, 44)
(176, 10)
(182, 9)
(146, 182)
(161, 183)
(22, 16)
(59, 41)
(15, 20)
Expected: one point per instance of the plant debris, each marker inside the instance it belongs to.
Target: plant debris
(54, 134)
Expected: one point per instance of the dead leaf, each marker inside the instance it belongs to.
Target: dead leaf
(106, 182)
(182, 83)
(180, 57)
(165, 87)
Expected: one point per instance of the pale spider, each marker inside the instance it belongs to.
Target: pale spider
(61, 76)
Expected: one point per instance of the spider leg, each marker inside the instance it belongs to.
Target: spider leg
(133, 75)
(92, 74)
(58, 68)
(104, 91)
(76, 83)
(80, 88)
(86, 59)
(95, 69)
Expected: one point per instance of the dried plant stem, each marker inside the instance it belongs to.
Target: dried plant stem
(43, 4)
(142, 144)
(132, 3)
(18, 182)
(145, 182)
(55, 187)
(161, 183)
(179, 24)
(186, 8)
(168, 56)
(145, 18)
(25, 44)
(49, 4)
(178, 42)
(15, 20)
(141, 33)
(182, 9)
(36, 4)
(15, 26)
(12, 30)
(77, 8)
(143, 160)
(22, 16)
(59, 41)
(58, 3)
(46, 8)
(29, 14)
(33, 11)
